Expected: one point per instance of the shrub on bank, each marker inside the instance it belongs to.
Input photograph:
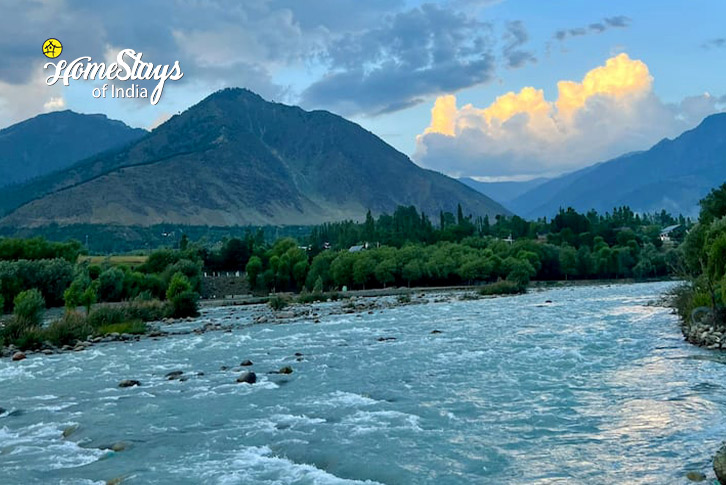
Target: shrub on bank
(28, 307)
(135, 327)
(72, 326)
(502, 287)
(183, 299)
(145, 311)
(277, 302)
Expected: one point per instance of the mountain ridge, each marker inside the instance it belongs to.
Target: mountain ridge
(54, 141)
(256, 162)
(674, 174)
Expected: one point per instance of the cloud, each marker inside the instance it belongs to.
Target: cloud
(55, 104)
(36, 97)
(515, 37)
(619, 21)
(419, 52)
(353, 57)
(611, 111)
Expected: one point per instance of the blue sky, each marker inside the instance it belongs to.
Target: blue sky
(386, 63)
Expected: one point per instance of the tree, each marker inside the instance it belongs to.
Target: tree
(713, 206)
(318, 287)
(299, 272)
(385, 271)
(341, 269)
(253, 269)
(89, 297)
(364, 269)
(520, 271)
(412, 271)
(111, 285)
(568, 261)
(28, 307)
(184, 301)
(179, 284)
(73, 295)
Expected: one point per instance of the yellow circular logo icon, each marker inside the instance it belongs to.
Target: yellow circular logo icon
(52, 48)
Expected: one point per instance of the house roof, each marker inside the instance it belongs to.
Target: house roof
(670, 229)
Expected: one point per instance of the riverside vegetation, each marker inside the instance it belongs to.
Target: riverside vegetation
(700, 301)
(402, 249)
(36, 273)
(406, 249)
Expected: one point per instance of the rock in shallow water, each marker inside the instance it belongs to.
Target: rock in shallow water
(129, 383)
(70, 430)
(719, 465)
(246, 363)
(176, 374)
(18, 356)
(695, 476)
(120, 446)
(247, 377)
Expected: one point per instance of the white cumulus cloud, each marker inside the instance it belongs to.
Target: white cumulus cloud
(611, 111)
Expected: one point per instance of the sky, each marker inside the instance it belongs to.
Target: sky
(490, 89)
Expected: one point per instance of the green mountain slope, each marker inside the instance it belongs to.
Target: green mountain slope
(54, 141)
(672, 175)
(236, 159)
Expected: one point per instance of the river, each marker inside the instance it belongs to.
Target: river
(597, 386)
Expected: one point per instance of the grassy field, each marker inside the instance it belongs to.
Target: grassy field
(128, 260)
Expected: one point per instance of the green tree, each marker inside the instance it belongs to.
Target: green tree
(28, 307)
(89, 297)
(253, 269)
(412, 271)
(184, 301)
(568, 261)
(74, 294)
(364, 269)
(318, 286)
(386, 271)
(179, 284)
(111, 285)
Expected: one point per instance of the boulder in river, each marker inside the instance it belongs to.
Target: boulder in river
(246, 363)
(695, 476)
(129, 383)
(18, 356)
(70, 430)
(2, 410)
(435, 331)
(175, 374)
(719, 465)
(247, 377)
(285, 370)
(120, 446)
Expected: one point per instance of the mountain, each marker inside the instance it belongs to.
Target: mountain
(56, 140)
(503, 192)
(672, 175)
(236, 159)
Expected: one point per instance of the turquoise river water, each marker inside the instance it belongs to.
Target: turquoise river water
(597, 387)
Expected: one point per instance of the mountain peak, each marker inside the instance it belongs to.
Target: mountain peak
(55, 140)
(236, 159)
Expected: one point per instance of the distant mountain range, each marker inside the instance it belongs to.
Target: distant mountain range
(672, 175)
(55, 141)
(236, 159)
(503, 192)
